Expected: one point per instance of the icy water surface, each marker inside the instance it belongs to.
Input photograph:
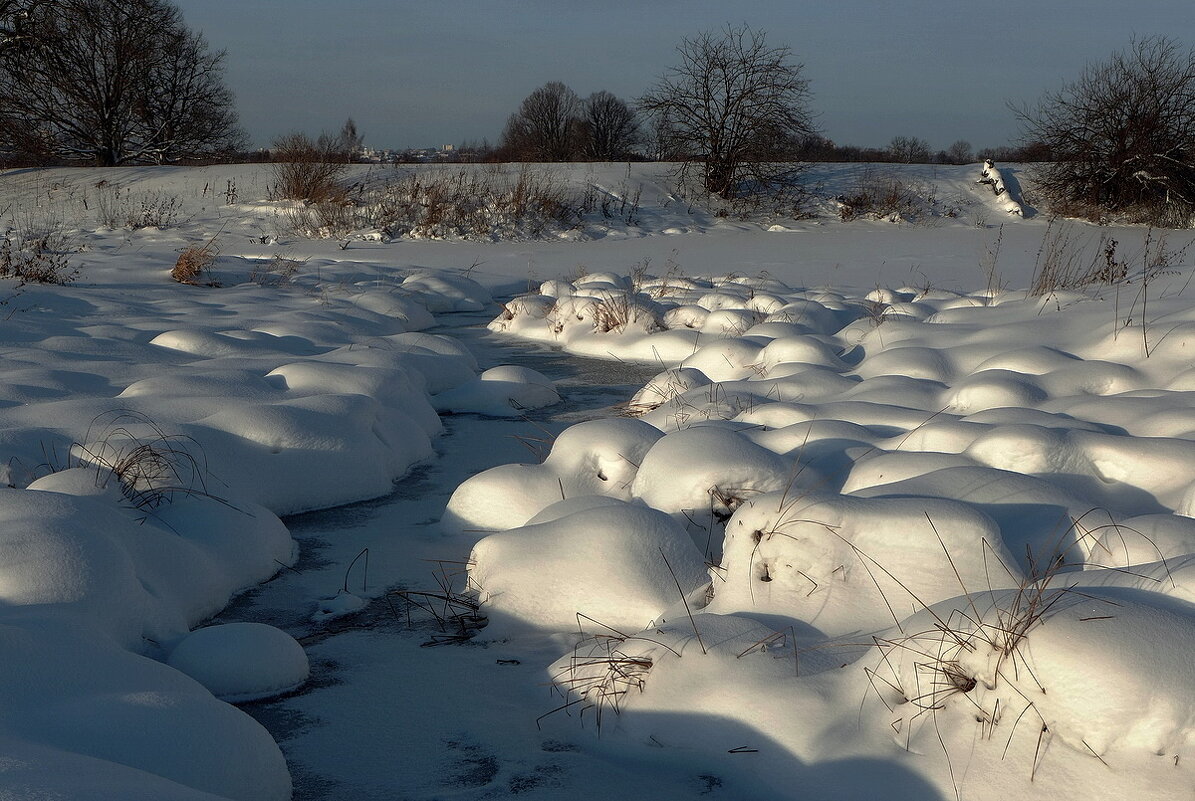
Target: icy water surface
(385, 717)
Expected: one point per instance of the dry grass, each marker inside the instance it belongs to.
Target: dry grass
(278, 271)
(121, 208)
(461, 204)
(456, 614)
(602, 671)
(1069, 260)
(981, 643)
(193, 263)
(1064, 262)
(37, 257)
(880, 195)
(150, 467)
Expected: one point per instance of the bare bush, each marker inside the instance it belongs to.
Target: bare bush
(309, 170)
(1122, 137)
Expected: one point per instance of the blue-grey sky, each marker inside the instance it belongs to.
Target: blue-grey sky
(427, 74)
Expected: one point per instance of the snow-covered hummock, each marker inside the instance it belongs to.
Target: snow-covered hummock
(598, 457)
(91, 590)
(970, 511)
(504, 391)
(619, 565)
(242, 661)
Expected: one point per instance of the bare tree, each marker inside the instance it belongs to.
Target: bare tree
(609, 128)
(959, 152)
(545, 127)
(734, 104)
(1122, 136)
(14, 20)
(908, 150)
(350, 140)
(113, 82)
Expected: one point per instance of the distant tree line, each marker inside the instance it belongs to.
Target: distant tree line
(913, 150)
(554, 124)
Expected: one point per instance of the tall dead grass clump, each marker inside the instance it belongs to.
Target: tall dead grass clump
(150, 467)
(879, 195)
(193, 263)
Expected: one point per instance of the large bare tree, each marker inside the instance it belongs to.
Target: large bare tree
(1122, 136)
(545, 128)
(609, 126)
(111, 82)
(734, 104)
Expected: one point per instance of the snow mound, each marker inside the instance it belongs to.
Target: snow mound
(503, 391)
(707, 472)
(242, 662)
(598, 457)
(618, 565)
(842, 564)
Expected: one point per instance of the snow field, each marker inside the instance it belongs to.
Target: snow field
(812, 471)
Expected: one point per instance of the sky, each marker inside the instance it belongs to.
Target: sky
(436, 73)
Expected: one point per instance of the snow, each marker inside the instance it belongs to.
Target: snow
(619, 565)
(241, 661)
(809, 503)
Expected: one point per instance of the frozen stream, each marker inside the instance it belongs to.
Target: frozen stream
(383, 717)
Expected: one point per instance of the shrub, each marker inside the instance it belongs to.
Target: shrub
(309, 170)
(1122, 137)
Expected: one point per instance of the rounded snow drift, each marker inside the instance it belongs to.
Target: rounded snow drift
(241, 662)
